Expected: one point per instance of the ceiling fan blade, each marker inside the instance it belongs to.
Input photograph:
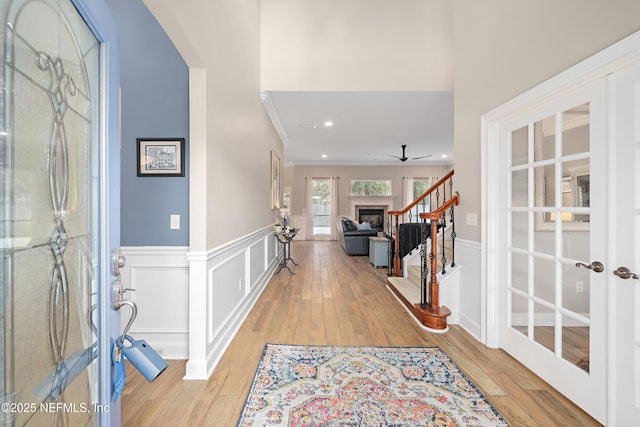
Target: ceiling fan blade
(421, 157)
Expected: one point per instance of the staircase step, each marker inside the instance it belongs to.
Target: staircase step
(408, 289)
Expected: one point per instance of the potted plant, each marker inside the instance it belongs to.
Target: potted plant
(278, 227)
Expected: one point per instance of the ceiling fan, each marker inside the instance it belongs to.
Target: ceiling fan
(404, 157)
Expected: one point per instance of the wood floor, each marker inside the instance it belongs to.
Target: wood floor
(335, 300)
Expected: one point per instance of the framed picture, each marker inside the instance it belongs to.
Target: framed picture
(275, 180)
(160, 157)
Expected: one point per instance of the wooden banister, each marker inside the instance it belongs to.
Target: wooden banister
(423, 196)
(395, 264)
(437, 213)
(428, 310)
(434, 216)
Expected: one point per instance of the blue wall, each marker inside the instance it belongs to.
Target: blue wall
(155, 104)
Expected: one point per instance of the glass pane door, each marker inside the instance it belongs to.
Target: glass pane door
(553, 291)
(550, 227)
(321, 206)
(49, 162)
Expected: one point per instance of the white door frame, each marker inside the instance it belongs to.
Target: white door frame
(596, 67)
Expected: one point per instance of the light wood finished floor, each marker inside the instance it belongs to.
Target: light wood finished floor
(335, 300)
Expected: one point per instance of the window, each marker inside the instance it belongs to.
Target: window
(418, 186)
(371, 187)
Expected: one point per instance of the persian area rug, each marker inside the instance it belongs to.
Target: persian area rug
(299, 385)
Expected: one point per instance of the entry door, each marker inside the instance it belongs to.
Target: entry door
(50, 230)
(321, 207)
(553, 290)
(625, 286)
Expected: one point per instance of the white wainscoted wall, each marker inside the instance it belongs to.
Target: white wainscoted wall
(471, 296)
(159, 279)
(224, 284)
(191, 304)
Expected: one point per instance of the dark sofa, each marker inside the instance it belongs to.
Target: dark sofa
(353, 241)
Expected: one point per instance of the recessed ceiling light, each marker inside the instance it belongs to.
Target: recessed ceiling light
(444, 156)
(328, 123)
(324, 156)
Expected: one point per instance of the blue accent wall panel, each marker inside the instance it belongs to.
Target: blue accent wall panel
(155, 104)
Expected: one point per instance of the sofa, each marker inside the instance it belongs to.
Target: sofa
(353, 240)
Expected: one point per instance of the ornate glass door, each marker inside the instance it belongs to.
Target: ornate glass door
(49, 236)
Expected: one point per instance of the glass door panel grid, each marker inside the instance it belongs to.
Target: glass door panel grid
(542, 262)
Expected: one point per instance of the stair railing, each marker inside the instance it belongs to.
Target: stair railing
(412, 214)
(429, 292)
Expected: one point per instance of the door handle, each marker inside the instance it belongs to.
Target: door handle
(596, 266)
(625, 273)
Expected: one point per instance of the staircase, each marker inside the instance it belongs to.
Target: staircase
(415, 277)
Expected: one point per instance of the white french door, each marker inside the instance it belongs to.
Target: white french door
(554, 229)
(625, 249)
(561, 232)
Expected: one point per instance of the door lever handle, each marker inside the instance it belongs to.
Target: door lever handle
(596, 266)
(625, 273)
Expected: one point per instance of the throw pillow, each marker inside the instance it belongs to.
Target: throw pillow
(364, 226)
(349, 225)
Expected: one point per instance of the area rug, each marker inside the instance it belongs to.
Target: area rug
(363, 386)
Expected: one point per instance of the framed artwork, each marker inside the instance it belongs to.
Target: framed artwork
(275, 180)
(160, 157)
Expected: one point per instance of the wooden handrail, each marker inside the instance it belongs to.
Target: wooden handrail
(423, 196)
(437, 214)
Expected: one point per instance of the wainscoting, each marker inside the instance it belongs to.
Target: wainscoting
(224, 284)
(190, 304)
(158, 277)
(470, 298)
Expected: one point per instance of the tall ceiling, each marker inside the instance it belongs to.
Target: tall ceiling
(369, 128)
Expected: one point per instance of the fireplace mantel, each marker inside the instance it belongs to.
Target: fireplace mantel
(386, 201)
(373, 200)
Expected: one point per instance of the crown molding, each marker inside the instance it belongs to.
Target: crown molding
(273, 115)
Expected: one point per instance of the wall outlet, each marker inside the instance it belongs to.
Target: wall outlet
(175, 222)
(579, 286)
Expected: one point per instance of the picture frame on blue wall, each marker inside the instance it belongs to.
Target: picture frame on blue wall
(159, 157)
(275, 180)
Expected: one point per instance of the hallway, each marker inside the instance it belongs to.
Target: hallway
(334, 299)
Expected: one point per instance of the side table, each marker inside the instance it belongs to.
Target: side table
(378, 251)
(285, 238)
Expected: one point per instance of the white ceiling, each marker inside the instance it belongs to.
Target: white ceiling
(369, 127)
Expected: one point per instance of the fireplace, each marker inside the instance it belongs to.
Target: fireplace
(382, 204)
(373, 215)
